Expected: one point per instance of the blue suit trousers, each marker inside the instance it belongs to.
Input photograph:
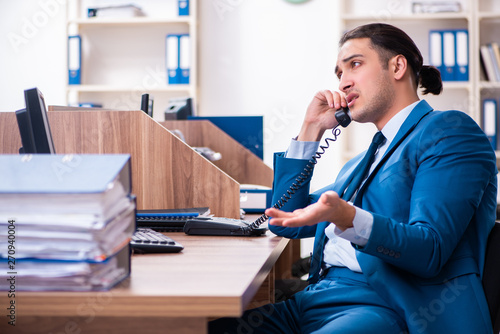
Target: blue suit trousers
(341, 302)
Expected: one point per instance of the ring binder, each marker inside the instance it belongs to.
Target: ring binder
(172, 59)
(74, 60)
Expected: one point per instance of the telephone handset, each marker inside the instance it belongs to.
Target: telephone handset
(227, 226)
(343, 116)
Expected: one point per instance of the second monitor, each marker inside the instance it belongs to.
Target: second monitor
(34, 125)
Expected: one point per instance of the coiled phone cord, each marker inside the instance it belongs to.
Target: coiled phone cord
(344, 119)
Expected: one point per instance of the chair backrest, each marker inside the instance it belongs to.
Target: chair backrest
(491, 276)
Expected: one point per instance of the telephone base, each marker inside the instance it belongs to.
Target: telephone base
(219, 226)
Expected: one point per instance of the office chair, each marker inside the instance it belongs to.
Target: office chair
(491, 276)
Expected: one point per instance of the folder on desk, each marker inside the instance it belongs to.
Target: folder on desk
(462, 55)
(66, 207)
(74, 60)
(183, 7)
(56, 275)
(172, 58)
(72, 215)
(490, 121)
(92, 185)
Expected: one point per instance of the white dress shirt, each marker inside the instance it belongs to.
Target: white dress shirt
(338, 249)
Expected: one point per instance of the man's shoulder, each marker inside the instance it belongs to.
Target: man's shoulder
(445, 114)
(450, 120)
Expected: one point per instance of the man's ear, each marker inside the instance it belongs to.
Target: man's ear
(399, 66)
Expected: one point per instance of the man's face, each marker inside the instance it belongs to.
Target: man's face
(364, 81)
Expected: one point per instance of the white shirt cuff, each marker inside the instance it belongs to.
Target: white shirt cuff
(302, 149)
(360, 233)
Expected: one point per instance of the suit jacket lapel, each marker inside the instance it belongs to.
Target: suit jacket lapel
(415, 116)
(421, 110)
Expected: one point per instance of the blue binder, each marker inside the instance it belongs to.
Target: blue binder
(64, 174)
(462, 55)
(74, 60)
(184, 58)
(436, 50)
(183, 7)
(449, 56)
(76, 275)
(490, 121)
(172, 58)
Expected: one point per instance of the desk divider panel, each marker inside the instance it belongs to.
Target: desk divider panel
(237, 161)
(10, 140)
(166, 172)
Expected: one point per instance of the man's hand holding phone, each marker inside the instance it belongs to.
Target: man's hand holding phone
(320, 115)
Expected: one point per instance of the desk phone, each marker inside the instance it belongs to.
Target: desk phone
(221, 226)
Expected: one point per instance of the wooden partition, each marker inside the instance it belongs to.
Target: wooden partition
(166, 172)
(237, 161)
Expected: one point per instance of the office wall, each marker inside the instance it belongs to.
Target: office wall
(268, 57)
(33, 50)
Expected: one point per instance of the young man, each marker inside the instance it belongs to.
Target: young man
(404, 250)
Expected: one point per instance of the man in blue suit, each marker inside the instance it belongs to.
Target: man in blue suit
(405, 252)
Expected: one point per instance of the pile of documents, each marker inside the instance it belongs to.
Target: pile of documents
(65, 221)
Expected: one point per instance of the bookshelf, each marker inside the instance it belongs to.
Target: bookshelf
(488, 30)
(123, 58)
(481, 19)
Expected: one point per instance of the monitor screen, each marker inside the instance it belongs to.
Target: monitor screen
(147, 104)
(34, 124)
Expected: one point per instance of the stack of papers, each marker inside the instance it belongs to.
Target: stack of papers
(65, 221)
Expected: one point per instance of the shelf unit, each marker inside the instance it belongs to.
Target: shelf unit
(482, 20)
(487, 30)
(123, 58)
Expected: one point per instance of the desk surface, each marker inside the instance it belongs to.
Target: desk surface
(211, 277)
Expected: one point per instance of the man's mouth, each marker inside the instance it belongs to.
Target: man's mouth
(351, 98)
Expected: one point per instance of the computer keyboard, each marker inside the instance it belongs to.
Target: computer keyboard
(163, 221)
(146, 240)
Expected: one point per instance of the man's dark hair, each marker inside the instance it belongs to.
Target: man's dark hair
(390, 41)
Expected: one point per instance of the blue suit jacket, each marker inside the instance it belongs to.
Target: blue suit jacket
(433, 198)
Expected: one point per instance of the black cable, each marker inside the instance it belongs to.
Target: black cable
(344, 119)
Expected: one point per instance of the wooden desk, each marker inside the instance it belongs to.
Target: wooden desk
(166, 293)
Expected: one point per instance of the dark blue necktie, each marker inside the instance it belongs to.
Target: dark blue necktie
(359, 175)
(363, 167)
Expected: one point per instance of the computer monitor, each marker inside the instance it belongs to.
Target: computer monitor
(34, 125)
(147, 104)
(179, 108)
